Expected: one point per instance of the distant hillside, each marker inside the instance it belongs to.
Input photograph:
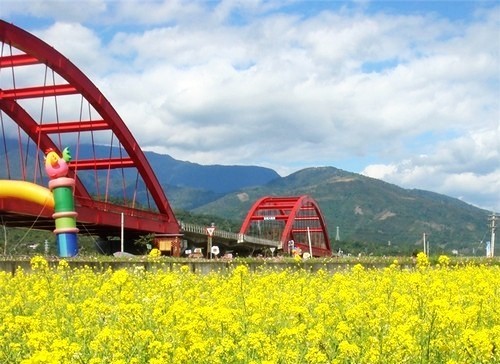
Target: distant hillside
(187, 185)
(367, 209)
(364, 209)
(215, 178)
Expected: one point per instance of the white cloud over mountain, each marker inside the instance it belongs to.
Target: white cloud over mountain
(412, 98)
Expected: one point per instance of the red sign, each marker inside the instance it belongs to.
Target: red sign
(210, 231)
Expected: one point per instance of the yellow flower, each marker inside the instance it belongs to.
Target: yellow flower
(422, 260)
(63, 265)
(444, 261)
(348, 350)
(39, 263)
(155, 253)
(358, 268)
(284, 315)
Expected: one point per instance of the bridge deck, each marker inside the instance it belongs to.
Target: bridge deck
(199, 233)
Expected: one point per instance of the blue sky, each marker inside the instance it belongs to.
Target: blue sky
(404, 91)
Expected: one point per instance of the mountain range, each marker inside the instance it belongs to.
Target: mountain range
(364, 211)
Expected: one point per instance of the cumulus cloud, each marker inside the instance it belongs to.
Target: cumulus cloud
(466, 167)
(411, 97)
(83, 47)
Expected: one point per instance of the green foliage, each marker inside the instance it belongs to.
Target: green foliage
(367, 248)
(145, 241)
(23, 241)
(221, 223)
(373, 216)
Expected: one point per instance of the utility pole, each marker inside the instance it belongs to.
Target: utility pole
(492, 219)
(425, 245)
(122, 235)
(309, 240)
(5, 239)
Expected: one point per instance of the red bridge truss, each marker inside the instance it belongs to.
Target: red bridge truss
(47, 102)
(296, 219)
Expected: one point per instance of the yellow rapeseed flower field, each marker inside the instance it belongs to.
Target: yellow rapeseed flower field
(427, 314)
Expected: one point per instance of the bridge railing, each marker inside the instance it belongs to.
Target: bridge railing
(239, 238)
(202, 230)
(242, 238)
(118, 209)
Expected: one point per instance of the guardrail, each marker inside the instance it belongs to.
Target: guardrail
(242, 238)
(238, 238)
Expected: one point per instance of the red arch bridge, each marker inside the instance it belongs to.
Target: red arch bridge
(46, 102)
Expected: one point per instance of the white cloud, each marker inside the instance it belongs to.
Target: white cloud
(83, 47)
(380, 171)
(467, 167)
(417, 94)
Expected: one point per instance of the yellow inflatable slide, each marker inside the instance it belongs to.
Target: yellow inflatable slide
(27, 191)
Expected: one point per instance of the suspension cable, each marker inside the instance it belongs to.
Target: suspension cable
(40, 122)
(109, 167)
(135, 190)
(3, 126)
(124, 187)
(31, 227)
(21, 157)
(57, 109)
(78, 138)
(5, 145)
(96, 176)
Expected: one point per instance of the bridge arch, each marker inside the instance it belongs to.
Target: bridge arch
(290, 218)
(21, 50)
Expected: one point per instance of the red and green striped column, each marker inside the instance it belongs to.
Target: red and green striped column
(65, 216)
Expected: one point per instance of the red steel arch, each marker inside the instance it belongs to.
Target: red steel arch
(296, 218)
(29, 51)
